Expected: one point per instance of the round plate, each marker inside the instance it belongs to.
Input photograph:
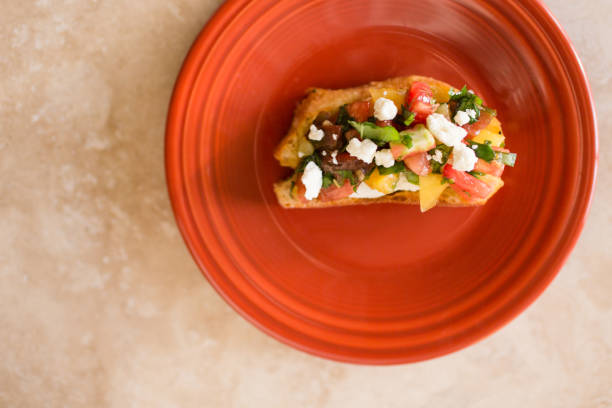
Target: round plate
(380, 284)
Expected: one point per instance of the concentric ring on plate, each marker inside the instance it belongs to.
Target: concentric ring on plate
(383, 284)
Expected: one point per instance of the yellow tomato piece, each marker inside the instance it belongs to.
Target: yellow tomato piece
(431, 188)
(494, 126)
(496, 139)
(396, 95)
(383, 183)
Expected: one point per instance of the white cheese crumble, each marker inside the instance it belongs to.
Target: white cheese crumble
(312, 180)
(437, 156)
(444, 130)
(471, 113)
(464, 158)
(462, 118)
(315, 134)
(384, 158)
(362, 150)
(365, 191)
(384, 109)
(323, 153)
(404, 185)
(300, 155)
(334, 136)
(333, 156)
(327, 123)
(474, 146)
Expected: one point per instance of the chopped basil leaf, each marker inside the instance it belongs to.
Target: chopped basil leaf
(483, 150)
(344, 175)
(406, 139)
(344, 118)
(464, 100)
(328, 179)
(313, 157)
(446, 151)
(508, 159)
(396, 168)
(412, 177)
(378, 134)
(447, 180)
(405, 117)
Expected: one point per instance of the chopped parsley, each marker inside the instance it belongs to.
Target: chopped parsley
(396, 168)
(483, 150)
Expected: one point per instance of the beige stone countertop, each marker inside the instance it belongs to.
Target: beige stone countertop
(101, 304)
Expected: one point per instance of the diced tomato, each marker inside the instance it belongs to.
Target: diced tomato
(333, 193)
(482, 123)
(465, 196)
(418, 163)
(359, 110)
(300, 189)
(466, 182)
(493, 168)
(420, 101)
(384, 123)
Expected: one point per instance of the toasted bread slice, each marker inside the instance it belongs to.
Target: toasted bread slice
(318, 100)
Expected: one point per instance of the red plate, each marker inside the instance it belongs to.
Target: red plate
(382, 284)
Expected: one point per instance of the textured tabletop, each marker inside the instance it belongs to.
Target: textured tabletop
(102, 306)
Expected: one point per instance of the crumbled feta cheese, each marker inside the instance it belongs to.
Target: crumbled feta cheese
(365, 191)
(362, 150)
(474, 146)
(404, 185)
(323, 153)
(470, 91)
(334, 136)
(462, 118)
(471, 113)
(464, 158)
(312, 180)
(428, 156)
(444, 130)
(333, 156)
(300, 155)
(315, 134)
(384, 109)
(437, 156)
(327, 123)
(384, 158)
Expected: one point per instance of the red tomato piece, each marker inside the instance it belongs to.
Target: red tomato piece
(466, 182)
(493, 168)
(359, 110)
(301, 190)
(420, 101)
(418, 163)
(333, 193)
(480, 124)
(465, 196)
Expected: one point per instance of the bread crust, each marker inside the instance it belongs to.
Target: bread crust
(318, 100)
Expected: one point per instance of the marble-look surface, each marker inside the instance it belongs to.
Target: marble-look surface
(102, 306)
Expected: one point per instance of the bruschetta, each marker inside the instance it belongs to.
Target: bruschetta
(411, 140)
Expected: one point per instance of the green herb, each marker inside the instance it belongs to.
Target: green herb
(312, 158)
(447, 181)
(344, 118)
(396, 168)
(411, 176)
(344, 175)
(465, 100)
(406, 139)
(328, 179)
(378, 134)
(483, 150)
(509, 159)
(446, 151)
(405, 117)
(291, 189)
(476, 174)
